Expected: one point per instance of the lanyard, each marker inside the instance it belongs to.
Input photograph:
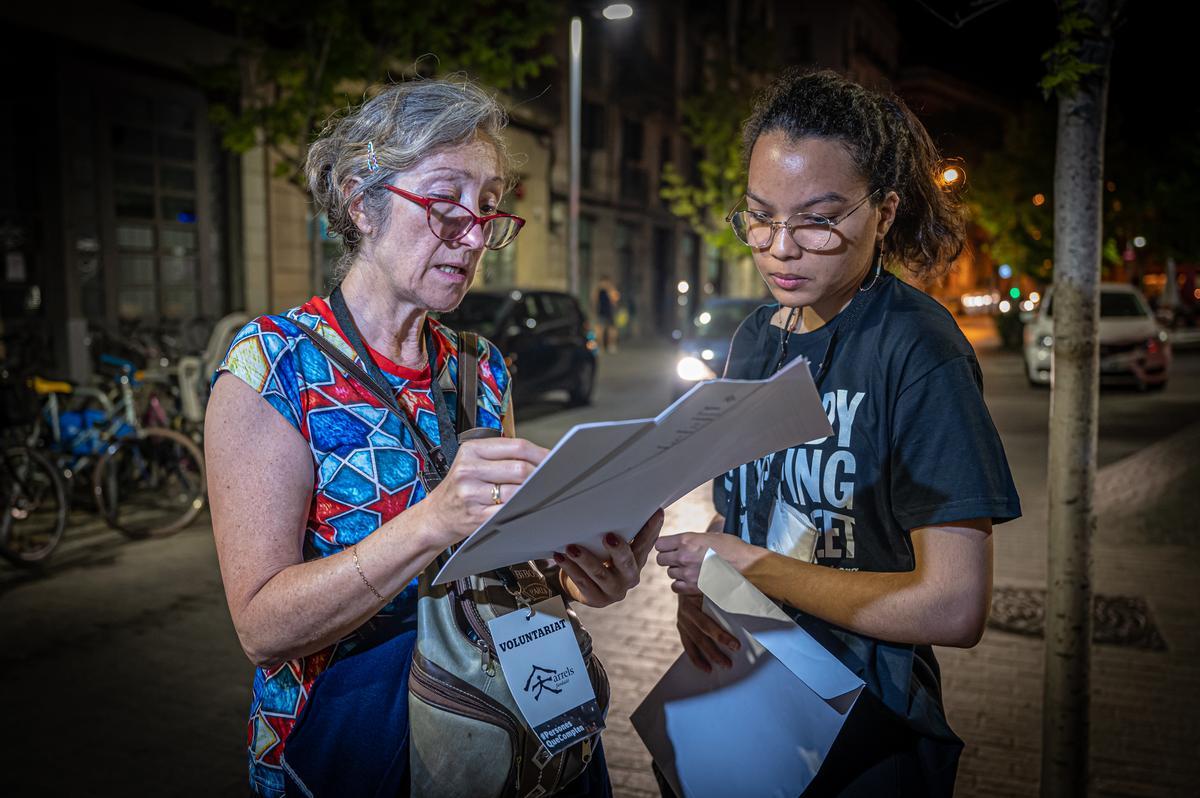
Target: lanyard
(761, 501)
(435, 459)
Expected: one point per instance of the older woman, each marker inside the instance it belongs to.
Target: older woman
(878, 538)
(321, 524)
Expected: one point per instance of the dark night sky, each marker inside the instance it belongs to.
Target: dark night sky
(1001, 50)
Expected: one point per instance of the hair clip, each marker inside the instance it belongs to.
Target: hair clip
(372, 158)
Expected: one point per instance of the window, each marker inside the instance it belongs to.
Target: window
(591, 133)
(155, 205)
(631, 141)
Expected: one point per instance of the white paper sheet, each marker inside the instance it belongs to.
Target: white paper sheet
(762, 728)
(611, 477)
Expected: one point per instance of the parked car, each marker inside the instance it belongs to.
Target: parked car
(704, 345)
(1134, 348)
(545, 338)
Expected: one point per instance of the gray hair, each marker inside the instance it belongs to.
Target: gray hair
(392, 132)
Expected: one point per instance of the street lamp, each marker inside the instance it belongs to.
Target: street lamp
(614, 11)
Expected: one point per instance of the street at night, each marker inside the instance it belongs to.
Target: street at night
(143, 686)
(793, 399)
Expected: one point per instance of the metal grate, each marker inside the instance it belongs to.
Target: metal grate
(1116, 620)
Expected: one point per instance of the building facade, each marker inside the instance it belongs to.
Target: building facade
(124, 210)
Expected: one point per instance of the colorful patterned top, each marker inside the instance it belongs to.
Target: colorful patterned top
(365, 467)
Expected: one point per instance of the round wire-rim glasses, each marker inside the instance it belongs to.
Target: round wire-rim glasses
(453, 221)
(812, 232)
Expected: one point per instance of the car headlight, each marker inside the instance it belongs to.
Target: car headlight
(693, 369)
(1046, 341)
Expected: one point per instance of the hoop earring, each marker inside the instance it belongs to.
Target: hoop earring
(878, 271)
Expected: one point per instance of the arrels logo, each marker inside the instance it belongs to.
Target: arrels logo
(543, 679)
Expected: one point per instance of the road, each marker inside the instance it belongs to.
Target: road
(122, 673)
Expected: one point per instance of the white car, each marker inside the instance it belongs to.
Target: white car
(1133, 346)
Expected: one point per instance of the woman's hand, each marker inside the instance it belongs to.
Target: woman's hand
(485, 474)
(589, 580)
(684, 553)
(703, 638)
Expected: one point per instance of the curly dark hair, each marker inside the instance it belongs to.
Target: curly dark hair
(890, 147)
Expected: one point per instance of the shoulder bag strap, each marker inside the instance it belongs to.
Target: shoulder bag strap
(468, 379)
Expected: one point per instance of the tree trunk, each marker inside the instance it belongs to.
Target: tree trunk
(1078, 177)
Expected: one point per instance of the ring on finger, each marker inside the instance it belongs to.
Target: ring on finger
(495, 493)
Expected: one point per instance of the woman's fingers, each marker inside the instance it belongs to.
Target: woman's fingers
(644, 542)
(589, 592)
(596, 570)
(707, 646)
(693, 652)
(708, 627)
(504, 449)
(620, 554)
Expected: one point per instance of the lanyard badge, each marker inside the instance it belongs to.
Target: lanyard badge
(544, 669)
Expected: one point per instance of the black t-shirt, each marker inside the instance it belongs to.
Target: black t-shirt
(913, 445)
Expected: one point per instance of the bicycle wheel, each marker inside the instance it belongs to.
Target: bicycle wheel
(34, 507)
(151, 485)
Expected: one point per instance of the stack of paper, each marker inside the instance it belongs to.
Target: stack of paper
(612, 476)
(764, 726)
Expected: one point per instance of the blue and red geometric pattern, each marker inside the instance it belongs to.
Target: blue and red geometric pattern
(365, 467)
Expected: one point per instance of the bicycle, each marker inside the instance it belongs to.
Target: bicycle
(146, 481)
(33, 498)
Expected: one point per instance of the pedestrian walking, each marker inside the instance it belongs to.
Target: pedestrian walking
(324, 457)
(606, 303)
(878, 538)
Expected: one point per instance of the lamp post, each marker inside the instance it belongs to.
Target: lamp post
(611, 12)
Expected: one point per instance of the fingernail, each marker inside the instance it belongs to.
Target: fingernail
(573, 550)
(558, 557)
(611, 541)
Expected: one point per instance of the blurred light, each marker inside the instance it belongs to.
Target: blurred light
(1034, 296)
(1005, 306)
(704, 318)
(1139, 242)
(1005, 271)
(682, 301)
(1046, 341)
(1039, 200)
(1014, 292)
(1111, 186)
(952, 175)
(683, 286)
(1162, 336)
(530, 323)
(707, 354)
(1047, 264)
(618, 11)
(693, 370)
(515, 296)
(1036, 234)
(1027, 306)
(677, 334)
(1196, 294)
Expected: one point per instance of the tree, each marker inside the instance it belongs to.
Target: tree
(736, 67)
(1078, 74)
(712, 124)
(299, 62)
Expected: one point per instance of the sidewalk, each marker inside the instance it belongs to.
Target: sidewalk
(123, 675)
(1145, 706)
